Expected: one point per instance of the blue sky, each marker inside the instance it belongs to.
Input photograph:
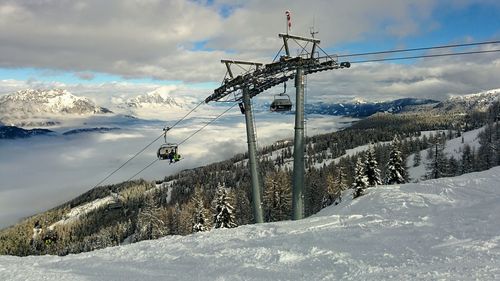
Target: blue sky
(181, 42)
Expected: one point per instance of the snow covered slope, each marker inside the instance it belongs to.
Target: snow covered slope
(38, 107)
(453, 147)
(477, 101)
(444, 229)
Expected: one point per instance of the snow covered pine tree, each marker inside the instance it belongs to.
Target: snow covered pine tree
(372, 172)
(223, 210)
(396, 168)
(360, 181)
(199, 215)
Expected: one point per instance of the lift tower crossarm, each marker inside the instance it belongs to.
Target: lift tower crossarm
(229, 62)
(288, 36)
(300, 38)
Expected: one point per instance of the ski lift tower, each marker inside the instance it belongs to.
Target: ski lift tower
(258, 78)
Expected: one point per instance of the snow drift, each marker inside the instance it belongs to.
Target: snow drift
(438, 229)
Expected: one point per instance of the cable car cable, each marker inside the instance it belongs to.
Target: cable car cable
(204, 126)
(427, 56)
(190, 136)
(419, 49)
(345, 55)
(147, 146)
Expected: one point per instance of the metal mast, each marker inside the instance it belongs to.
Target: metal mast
(252, 158)
(298, 149)
(261, 77)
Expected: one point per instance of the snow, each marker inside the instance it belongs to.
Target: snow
(359, 149)
(84, 209)
(445, 229)
(453, 147)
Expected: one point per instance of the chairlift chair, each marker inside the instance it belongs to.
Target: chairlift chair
(281, 102)
(168, 151)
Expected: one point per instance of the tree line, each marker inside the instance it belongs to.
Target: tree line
(219, 195)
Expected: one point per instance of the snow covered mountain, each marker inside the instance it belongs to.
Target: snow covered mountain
(478, 101)
(42, 107)
(158, 104)
(364, 109)
(444, 229)
(360, 108)
(152, 99)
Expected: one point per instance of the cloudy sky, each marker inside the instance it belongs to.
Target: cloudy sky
(109, 50)
(112, 46)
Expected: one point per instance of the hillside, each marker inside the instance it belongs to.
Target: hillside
(365, 109)
(104, 225)
(12, 132)
(436, 229)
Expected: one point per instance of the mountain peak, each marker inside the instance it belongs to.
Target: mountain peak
(37, 103)
(154, 98)
(477, 101)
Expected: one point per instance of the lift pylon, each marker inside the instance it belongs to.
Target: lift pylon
(261, 77)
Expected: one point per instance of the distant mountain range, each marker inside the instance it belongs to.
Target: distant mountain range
(89, 130)
(12, 132)
(152, 99)
(41, 108)
(480, 101)
(458, 104)
(366, 109)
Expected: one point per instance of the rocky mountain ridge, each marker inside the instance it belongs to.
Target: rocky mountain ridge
(42, 107)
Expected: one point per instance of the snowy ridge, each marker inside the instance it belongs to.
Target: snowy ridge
(152, 99)
(489, 95)
(40, 104)
(77, 212)
(478, 101)
(439, 229)
(158, 104)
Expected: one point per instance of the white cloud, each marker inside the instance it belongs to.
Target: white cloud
(41, 172)
(158, 39)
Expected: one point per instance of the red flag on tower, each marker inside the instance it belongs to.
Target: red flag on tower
(288, 21)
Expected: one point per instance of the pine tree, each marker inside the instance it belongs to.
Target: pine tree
(243, 209)
(417, 158)
(467, 161)
(174, 217)
(200, 212)
(223, 210)
(438, 165)
(372, 172)
(341, 179)
(487, 154)
(360, 182)
(453, 167)
(315, 190)
(396, 168)
(277, 197)
(332, 191)
(149, 225)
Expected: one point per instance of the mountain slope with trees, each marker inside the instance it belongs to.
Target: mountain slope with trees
(143, 210)
(445, 229)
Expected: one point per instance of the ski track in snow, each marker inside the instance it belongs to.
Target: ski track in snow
(445, 229)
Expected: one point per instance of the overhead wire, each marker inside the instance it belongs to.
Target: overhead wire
(146, 147)
(338, 56)
(183, 141)
(420, 49)
(426, 56)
